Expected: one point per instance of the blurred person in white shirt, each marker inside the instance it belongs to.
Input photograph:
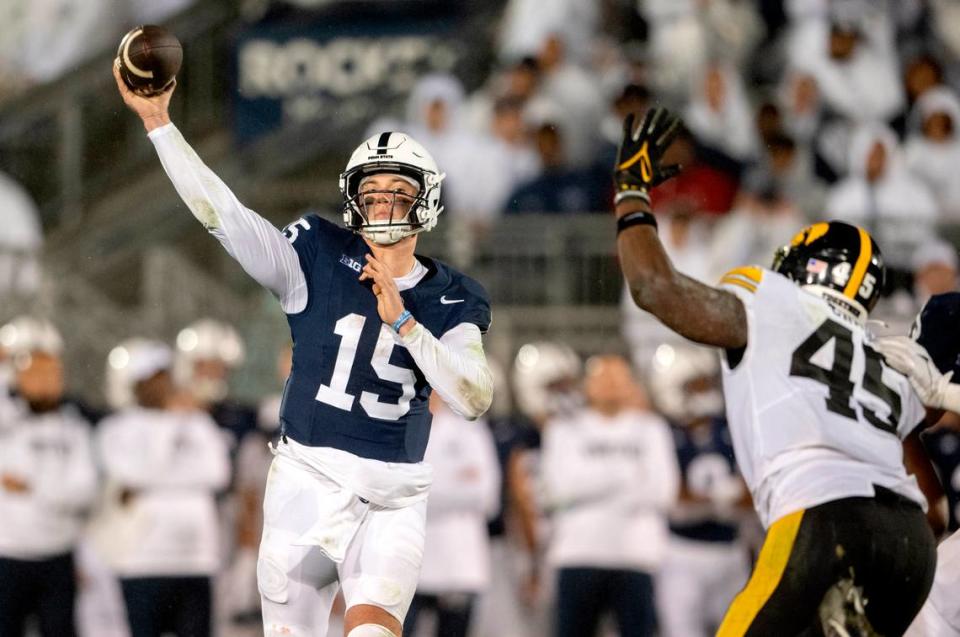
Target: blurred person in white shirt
(881, 195)
(515, 160)
(719, 113)
(465, 494)
(163, 469)
(800, 103)
(706, 561)
(852, 55)
(609, 476)
(578, 99)
(527, 24)
(686, 34)
(516, 80)
(434, 118)
(933, 147)
(47, 481)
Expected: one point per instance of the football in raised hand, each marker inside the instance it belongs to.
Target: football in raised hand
(149, 58)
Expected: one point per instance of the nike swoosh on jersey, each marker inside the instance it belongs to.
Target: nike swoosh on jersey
(446, 301)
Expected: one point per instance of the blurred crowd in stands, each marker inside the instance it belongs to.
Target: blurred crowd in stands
(795, 111)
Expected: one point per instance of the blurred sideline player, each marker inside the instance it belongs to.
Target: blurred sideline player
(547, 382)
(817, 417)
(500, 610)
(609, 477)
(48, 480)
(375, 329)
(163, 468)
(930, 357)
(207, 351)
(464, 495)
(706, 562)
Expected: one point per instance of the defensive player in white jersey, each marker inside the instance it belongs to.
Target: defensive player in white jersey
(375, 329)
(816, 416)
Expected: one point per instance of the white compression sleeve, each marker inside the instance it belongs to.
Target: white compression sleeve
(371, 630)
(260, 248)
(455, 366)
(951, 398)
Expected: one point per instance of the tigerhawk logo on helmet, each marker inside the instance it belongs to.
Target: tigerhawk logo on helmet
(838, 261)
(398, 154)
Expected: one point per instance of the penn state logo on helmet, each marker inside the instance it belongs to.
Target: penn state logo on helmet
(839, 261)
(397, 154)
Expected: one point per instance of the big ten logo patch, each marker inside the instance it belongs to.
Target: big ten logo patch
(351, 263)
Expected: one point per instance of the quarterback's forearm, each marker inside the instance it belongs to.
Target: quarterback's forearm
(699, 312)
(455, 366)
(260, 248)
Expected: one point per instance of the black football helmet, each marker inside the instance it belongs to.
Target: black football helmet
(838, 259)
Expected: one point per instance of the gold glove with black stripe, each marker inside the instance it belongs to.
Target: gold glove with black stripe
(639, 159)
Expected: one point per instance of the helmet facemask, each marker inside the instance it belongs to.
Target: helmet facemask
(384, 216)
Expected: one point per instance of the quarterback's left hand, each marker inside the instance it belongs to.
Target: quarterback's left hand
(909, 357)
(389, 303)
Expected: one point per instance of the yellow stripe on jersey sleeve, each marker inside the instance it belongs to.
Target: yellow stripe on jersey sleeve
(747, 277)
(751, 272)
(739, 282)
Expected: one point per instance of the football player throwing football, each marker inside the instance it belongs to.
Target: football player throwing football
(375, 328)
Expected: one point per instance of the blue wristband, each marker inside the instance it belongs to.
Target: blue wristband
(403, 318)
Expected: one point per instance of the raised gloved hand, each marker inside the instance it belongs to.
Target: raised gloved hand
(910, 358)
(639, 160)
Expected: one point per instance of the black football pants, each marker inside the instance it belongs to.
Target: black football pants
(884, 542)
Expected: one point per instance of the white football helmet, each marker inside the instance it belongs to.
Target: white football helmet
(399, 154)
(207, 339)
(675, 367)
(546, 379)
(135, 359)
(26, 334)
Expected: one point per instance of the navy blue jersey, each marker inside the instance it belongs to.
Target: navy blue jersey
(943, 447)
(705, 456)
(353, 386)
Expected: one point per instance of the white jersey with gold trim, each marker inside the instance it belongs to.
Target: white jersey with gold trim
(815, 413)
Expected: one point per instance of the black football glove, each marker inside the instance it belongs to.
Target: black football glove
(639, 159)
